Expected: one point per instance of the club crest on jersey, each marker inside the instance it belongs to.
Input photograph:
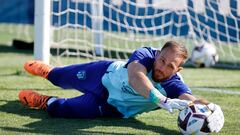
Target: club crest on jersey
(81, 75)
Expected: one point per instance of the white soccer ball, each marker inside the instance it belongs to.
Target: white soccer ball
(204, 55)
(192, 120)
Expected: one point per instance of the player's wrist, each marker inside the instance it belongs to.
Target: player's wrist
(156, 97)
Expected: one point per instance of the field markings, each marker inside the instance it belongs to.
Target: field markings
(224, 91)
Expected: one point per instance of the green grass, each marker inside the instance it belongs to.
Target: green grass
(17, 119)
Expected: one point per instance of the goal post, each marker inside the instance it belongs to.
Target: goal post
(97, 25)
(42, 27)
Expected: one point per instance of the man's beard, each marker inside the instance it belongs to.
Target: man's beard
(157, 79)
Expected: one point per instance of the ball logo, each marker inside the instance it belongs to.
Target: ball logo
(81, 75)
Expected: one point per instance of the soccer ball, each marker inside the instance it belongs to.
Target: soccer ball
(204, 55)
(192, 120)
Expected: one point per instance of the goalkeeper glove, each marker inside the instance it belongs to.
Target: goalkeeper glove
(216, 119)
(171, 104)
(166, 103)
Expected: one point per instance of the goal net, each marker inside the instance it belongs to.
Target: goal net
(85, 30)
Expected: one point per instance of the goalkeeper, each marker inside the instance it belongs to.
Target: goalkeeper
(147, 81)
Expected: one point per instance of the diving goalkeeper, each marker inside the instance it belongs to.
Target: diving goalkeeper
(149, 80)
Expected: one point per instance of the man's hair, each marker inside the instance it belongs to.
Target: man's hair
(179, 48)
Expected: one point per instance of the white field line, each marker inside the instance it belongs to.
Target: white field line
(224, 91)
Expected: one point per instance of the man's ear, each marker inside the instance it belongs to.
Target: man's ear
(180, 68)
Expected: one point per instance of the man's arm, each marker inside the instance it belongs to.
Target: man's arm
(190, 97)
(140, 82)
(138, 79)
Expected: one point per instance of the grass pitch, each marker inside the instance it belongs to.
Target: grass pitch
(211, 84)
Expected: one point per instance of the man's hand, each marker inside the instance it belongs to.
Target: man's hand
(166, 103)
(170, 104)
(216, 119)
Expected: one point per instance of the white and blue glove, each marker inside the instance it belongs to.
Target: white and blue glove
(166, 103)
(171, 104)
(216, 119)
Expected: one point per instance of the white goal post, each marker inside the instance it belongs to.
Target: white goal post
(112, 29)
(42, 27)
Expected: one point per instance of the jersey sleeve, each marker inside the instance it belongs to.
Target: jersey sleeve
(145, 56)
(175, 87)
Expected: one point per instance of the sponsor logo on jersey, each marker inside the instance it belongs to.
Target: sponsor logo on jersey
(81, 75)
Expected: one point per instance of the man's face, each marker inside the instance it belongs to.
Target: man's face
(166, 64)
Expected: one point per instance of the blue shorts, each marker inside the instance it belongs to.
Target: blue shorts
(87, 79)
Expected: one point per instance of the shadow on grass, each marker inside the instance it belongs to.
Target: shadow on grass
(10, 49)
(48, 125)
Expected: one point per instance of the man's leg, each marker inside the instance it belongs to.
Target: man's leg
(83, 77)
(85, 106)
(33, 100)
(36, 67)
